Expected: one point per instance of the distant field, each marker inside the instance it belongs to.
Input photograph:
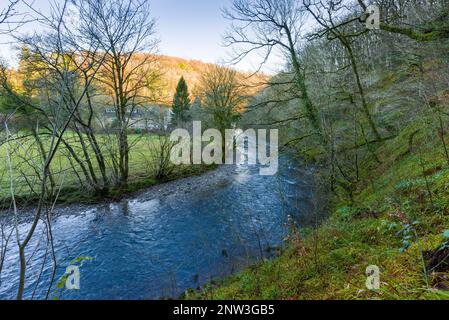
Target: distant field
(25, 156)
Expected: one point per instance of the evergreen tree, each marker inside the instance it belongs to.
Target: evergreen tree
(181, 103)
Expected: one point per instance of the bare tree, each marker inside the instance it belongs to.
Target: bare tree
(83, 126)
(223, 97)
(223, 94)
(418, 20)
(267, 25)
(125, 29)
(7, 12)
(326, 14)
(159, 145)
(58, 57)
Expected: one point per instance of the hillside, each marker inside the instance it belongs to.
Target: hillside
(169, 70)
(396, 219)
(173, 68)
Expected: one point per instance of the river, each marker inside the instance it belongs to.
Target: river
(166, 239)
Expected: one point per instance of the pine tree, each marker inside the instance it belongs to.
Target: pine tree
(181, 103)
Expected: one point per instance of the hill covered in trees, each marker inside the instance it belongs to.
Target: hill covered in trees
(173, 68)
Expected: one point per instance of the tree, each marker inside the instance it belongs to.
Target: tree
(58, 55)
(223, 98)
(435, 28)
(266, 25)
(181, 103)
(125, 30)
(6, 13)
(325, 14)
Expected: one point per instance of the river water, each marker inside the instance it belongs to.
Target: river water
(148, 247)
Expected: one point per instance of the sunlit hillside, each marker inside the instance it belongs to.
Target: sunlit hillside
(173, 68)
(168, 70)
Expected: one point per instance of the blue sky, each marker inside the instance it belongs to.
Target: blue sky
(189, 29)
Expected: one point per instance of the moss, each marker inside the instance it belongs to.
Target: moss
(370, 232)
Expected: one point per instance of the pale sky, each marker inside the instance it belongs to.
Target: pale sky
(189, 29)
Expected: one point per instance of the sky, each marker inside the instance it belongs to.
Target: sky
(190, 29)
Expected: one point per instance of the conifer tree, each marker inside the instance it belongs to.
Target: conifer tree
(181, 103)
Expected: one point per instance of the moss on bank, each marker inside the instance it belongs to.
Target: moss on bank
(397, 221)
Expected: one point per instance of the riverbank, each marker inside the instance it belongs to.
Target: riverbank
(137, 183)
(398, 222)
(203, 178)
(158, 187)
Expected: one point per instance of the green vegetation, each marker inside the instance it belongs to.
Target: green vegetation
(395, 217)
(383, 159)
(143, 170)
(368, 109)
(366, 233)
(181, 103)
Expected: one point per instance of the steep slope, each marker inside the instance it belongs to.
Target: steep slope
(398, 220)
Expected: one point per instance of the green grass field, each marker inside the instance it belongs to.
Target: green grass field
(25, 158)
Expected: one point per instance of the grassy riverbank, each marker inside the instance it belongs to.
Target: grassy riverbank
(143, 156)
(393, 224)
(72, 195)
(137, 182)
(397, 221)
